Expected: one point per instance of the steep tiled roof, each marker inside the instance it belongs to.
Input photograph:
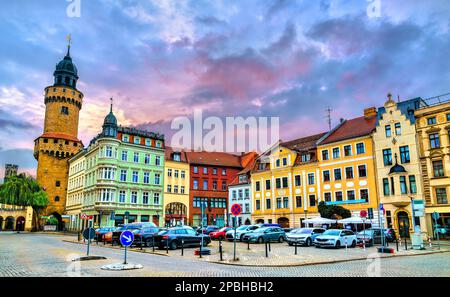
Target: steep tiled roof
(302, 144)
(168, 154)
(353, 128)
(214, 159)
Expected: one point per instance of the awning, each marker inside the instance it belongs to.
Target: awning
(319, 220)
(353, 220)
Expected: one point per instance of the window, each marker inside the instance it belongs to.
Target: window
(257, 186)
(182, 190)
(183, 174)
(205, 185)
(124, 155)
(224, 185)
(360, 149)
(123, 175)
(284, 162)
(176, 172)
(215, 171)
(412, 184)
(121, 196)
(434, 140)
(214, 186)
(364, 194)
(351, 195)
(387, 157)
(404, 154)
(133, 197)
(448, 116)
(258, 204)
(195, 169)
(234, 194)
(146, 177)
(224, 171)
(388, 131)
(169, 172)
(135, 176)
(108, 152)
(56, 198)
(267, 184)
(362, 171)
(64, 110)
(195, 184)
(325, 155)
(136, 157)
(310, 178)
(285, 182)
(297, 180)
(285, 202)
(268, 203)
(438, 168)
(431, 121)
(403, 188)
(148, 142)
(175, 189)
(338, 196)
(169, 188)
(298, 201)
(147, 159)
(347, 150)
(277, 163)
(278, 202)
(247, 193)
(125, 138)
(158, 160)
(398, 129)
(312, 200)
(336, 153)
(205, 170)
(137, 140)
(156, 198)
(441, 196)
(278, 183)
(326, 176)
(349, 172)
(58, 183)
(392, 186)
(327, 197)
(145, 198)
(306, 157)
(337, 174)
(157, 178)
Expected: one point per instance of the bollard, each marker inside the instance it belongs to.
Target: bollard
(270, 248)
(396, 243)
(220, 250)
(141, 243)
(153, 242)
(248, 244)
(104, 239)
(182, 247)
(167, 246)
(295, 247)
(96, 239)
(267, 253)
(400, 240)
(406, 245)
(429, 241)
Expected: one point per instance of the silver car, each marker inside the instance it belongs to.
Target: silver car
(303, 236)
(240, 232)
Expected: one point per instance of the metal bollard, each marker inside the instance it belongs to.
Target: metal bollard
(201, 244)
(167, 246)
(104, 239)
(406, 245)
(153, 242)
(396, 243)
(270, 248)
(248, 244)
(182, 247)
(141, 243)
(267, 253)
(295, 248)
(220, 250)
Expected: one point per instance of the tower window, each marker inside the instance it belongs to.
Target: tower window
(55, 140)
(56, 198)
(64, 110)
(58, 183)
(45, 140)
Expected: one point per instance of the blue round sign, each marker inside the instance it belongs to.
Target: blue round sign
(126, 238)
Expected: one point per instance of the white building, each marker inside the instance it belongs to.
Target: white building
(240, 191)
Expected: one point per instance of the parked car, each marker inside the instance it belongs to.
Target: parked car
(173, 238)
(264, 234)
(288, 230)
(240, 231)
(268, 225)
(100, 232)
(131, 227)
(220, 234)
(336, 238)
(390, 234)
(208, 229)
(145, 235)
(370, 236)
(303, 236)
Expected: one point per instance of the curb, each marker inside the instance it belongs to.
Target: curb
(113, 248)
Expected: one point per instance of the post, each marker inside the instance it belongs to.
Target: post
(104, 239)
(406, 245)
(141, 242)
(248, 244)
(125, 260)
(295, 247)
(270, 248)
(89, 236)
(396, 243)
(167, 245)
(153, 242)
(364, 235)
(220, 250)
(267, 252)
(182, 247)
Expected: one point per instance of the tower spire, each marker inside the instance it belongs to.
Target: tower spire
(110, 110)
(69, 42)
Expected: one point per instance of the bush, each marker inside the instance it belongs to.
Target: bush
(333, 211)
(52, 221)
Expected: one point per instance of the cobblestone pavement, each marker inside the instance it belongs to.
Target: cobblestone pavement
(48, 255)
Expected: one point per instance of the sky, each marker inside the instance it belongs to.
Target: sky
(161, 59)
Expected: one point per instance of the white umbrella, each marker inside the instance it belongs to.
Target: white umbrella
(319, 220)
(353, 220)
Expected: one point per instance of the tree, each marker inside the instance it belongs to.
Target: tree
(23, 190)
(333, 211)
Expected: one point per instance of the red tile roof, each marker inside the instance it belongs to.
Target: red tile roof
(353, 128)
(59, 136)
(303, 144)
(168, 154)
(214, 159)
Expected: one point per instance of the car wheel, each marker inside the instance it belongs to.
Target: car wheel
(280, 239)
(338, 244)
(148, 242)
(260, 240)
(308, 242)
(353, 243)
(173, 245)
(241, 238)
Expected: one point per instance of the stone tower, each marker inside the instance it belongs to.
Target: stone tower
(10, 170)
(59, 142)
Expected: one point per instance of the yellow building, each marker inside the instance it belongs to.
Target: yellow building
(347, 169)
(399, 178)
(285, 184)
(433, 130)
(176, 187)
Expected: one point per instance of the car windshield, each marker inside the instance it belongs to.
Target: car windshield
(301, 231)
(223, 229)
(367, 232)
(261, 230)
(244, 227)
(133, 227)
(332, 232)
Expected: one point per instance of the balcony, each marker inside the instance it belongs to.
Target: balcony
(398, 200)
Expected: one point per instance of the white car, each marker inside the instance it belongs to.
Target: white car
(336, 238)
(240, 232)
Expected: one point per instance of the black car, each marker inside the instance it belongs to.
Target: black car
(174, 237)
(131, 227)
(373, 236)
(146, 235)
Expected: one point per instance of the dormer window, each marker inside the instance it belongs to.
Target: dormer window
(148, 142)
(177, 157)
(125, 138)
(137, 140)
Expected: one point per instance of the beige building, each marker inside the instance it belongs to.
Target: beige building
(433, 130)
(75, 190)
(399, 179)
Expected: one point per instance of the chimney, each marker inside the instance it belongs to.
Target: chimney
(370, 112)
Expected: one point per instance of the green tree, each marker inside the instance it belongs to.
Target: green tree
(333, 211)
(23, 190)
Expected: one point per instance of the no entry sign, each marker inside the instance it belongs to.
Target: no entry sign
(236, 209)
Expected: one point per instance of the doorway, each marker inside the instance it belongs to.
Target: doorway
(403, 224)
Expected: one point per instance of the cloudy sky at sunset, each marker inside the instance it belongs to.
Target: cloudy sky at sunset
(161, 59)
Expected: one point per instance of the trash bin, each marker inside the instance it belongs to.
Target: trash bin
(417, 241)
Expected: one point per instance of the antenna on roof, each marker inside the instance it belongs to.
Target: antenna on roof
(398, 98)
(328, 116)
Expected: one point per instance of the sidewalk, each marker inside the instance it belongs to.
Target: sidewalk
(281, 255)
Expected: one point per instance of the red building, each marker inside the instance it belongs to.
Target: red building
(210, 175)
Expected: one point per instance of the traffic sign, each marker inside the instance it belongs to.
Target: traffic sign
(363, 214)
(84, 216)
(435, 215)
(89, 233)
(236, 209)
(126, 238)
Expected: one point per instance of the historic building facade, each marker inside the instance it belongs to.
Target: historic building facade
(347, 166)
(285, 183)
(399, 178)
(59, 141)
(433, 132)
(75, 190)
(123, 176)
(176, 188)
